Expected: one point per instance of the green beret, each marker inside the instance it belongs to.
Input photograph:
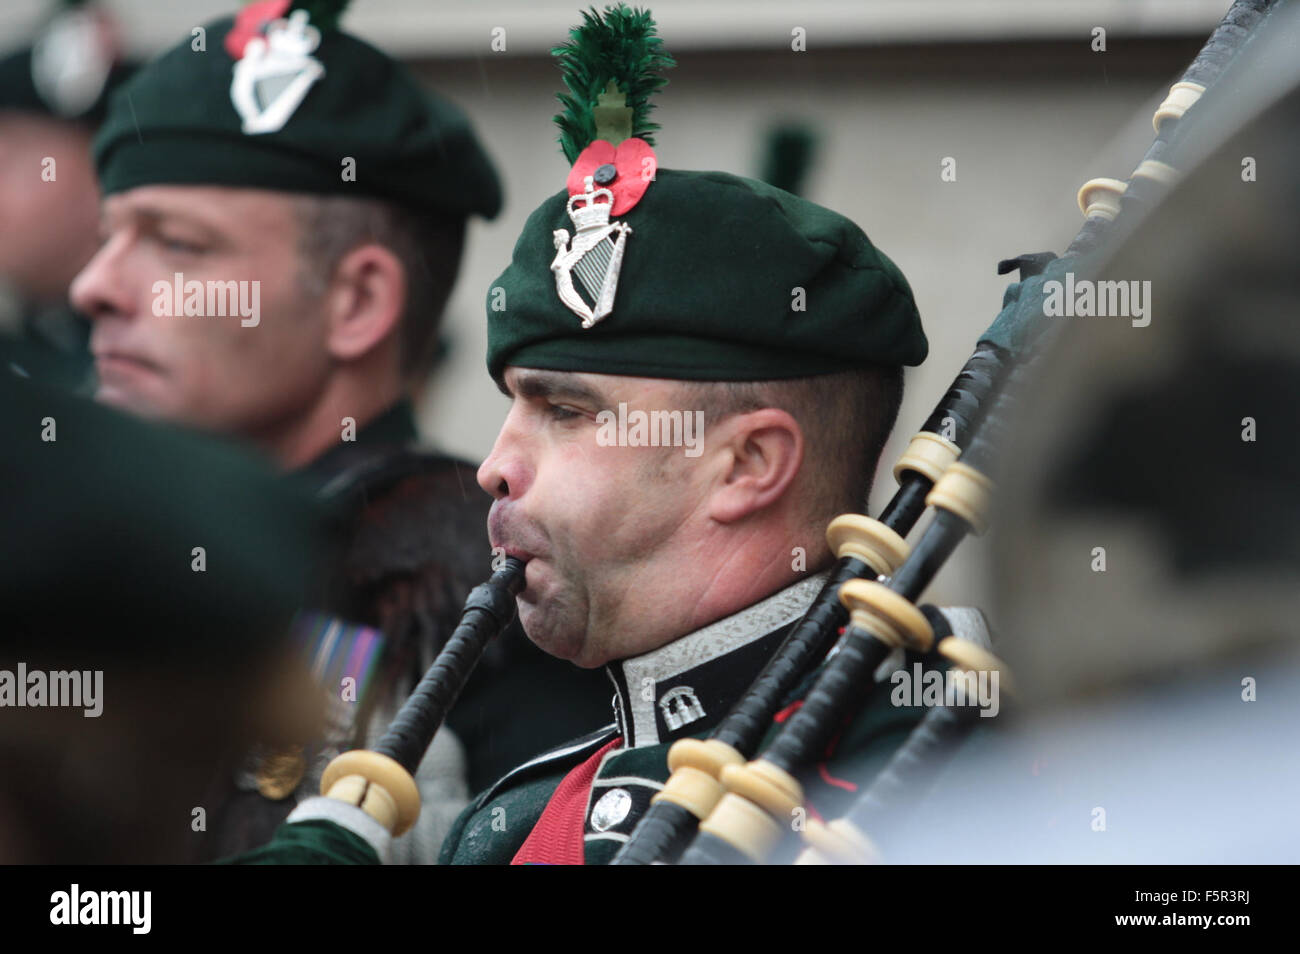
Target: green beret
(715, 272)
(176, 122)
(18, 92)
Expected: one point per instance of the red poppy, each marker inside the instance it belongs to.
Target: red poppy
(633, 160)
(251, 22)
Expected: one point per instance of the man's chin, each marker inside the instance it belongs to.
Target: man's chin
(122, 400)
(544, 631)
(128, 400)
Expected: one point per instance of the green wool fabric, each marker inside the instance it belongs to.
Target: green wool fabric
(309, 843)
(103, 514)
(18, 90)
(489, 837)
(723, 278)
(173, 123)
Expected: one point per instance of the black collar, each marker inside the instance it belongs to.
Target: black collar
(690, 684)
(393, 428)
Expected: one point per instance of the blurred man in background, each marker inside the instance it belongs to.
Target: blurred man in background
(53, 94)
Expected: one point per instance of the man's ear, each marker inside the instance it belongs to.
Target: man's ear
(762, 454)
(365, 301)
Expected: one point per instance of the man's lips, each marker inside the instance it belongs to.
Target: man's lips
(514, 552)
(503, 532)
(528, 560)
(119, 361)
(508, 532)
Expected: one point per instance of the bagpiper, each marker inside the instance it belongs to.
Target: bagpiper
(703, 370)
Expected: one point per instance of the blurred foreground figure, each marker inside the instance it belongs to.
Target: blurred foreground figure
(1148, 557)
(53, 94)
(147, 582)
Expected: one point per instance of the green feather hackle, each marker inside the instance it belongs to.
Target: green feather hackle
(322, 14)
(619, 46)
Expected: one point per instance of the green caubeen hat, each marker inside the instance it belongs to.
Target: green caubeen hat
(639, 270)
(280, 98)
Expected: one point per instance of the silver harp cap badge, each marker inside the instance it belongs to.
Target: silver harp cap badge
(595, 255)
(276, 71)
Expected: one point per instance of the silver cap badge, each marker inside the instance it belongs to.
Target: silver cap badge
(71, 62)
(273, 76)
(595, 255)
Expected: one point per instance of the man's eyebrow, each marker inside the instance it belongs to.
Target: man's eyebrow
(553, 384)
(151, 215)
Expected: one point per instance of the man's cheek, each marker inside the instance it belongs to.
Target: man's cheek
(207, 373)
(577, 521)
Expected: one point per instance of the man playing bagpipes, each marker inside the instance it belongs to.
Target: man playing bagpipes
(703, 370)
(674, 572)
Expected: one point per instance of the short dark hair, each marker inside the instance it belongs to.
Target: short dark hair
(846, 418)
(428, 245)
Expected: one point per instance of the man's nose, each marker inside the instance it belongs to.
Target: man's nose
(504, 472)
(100, 289)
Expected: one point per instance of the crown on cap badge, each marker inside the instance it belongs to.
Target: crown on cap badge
(595, 255)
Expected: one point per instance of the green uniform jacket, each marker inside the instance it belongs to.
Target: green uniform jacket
(681, 690)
